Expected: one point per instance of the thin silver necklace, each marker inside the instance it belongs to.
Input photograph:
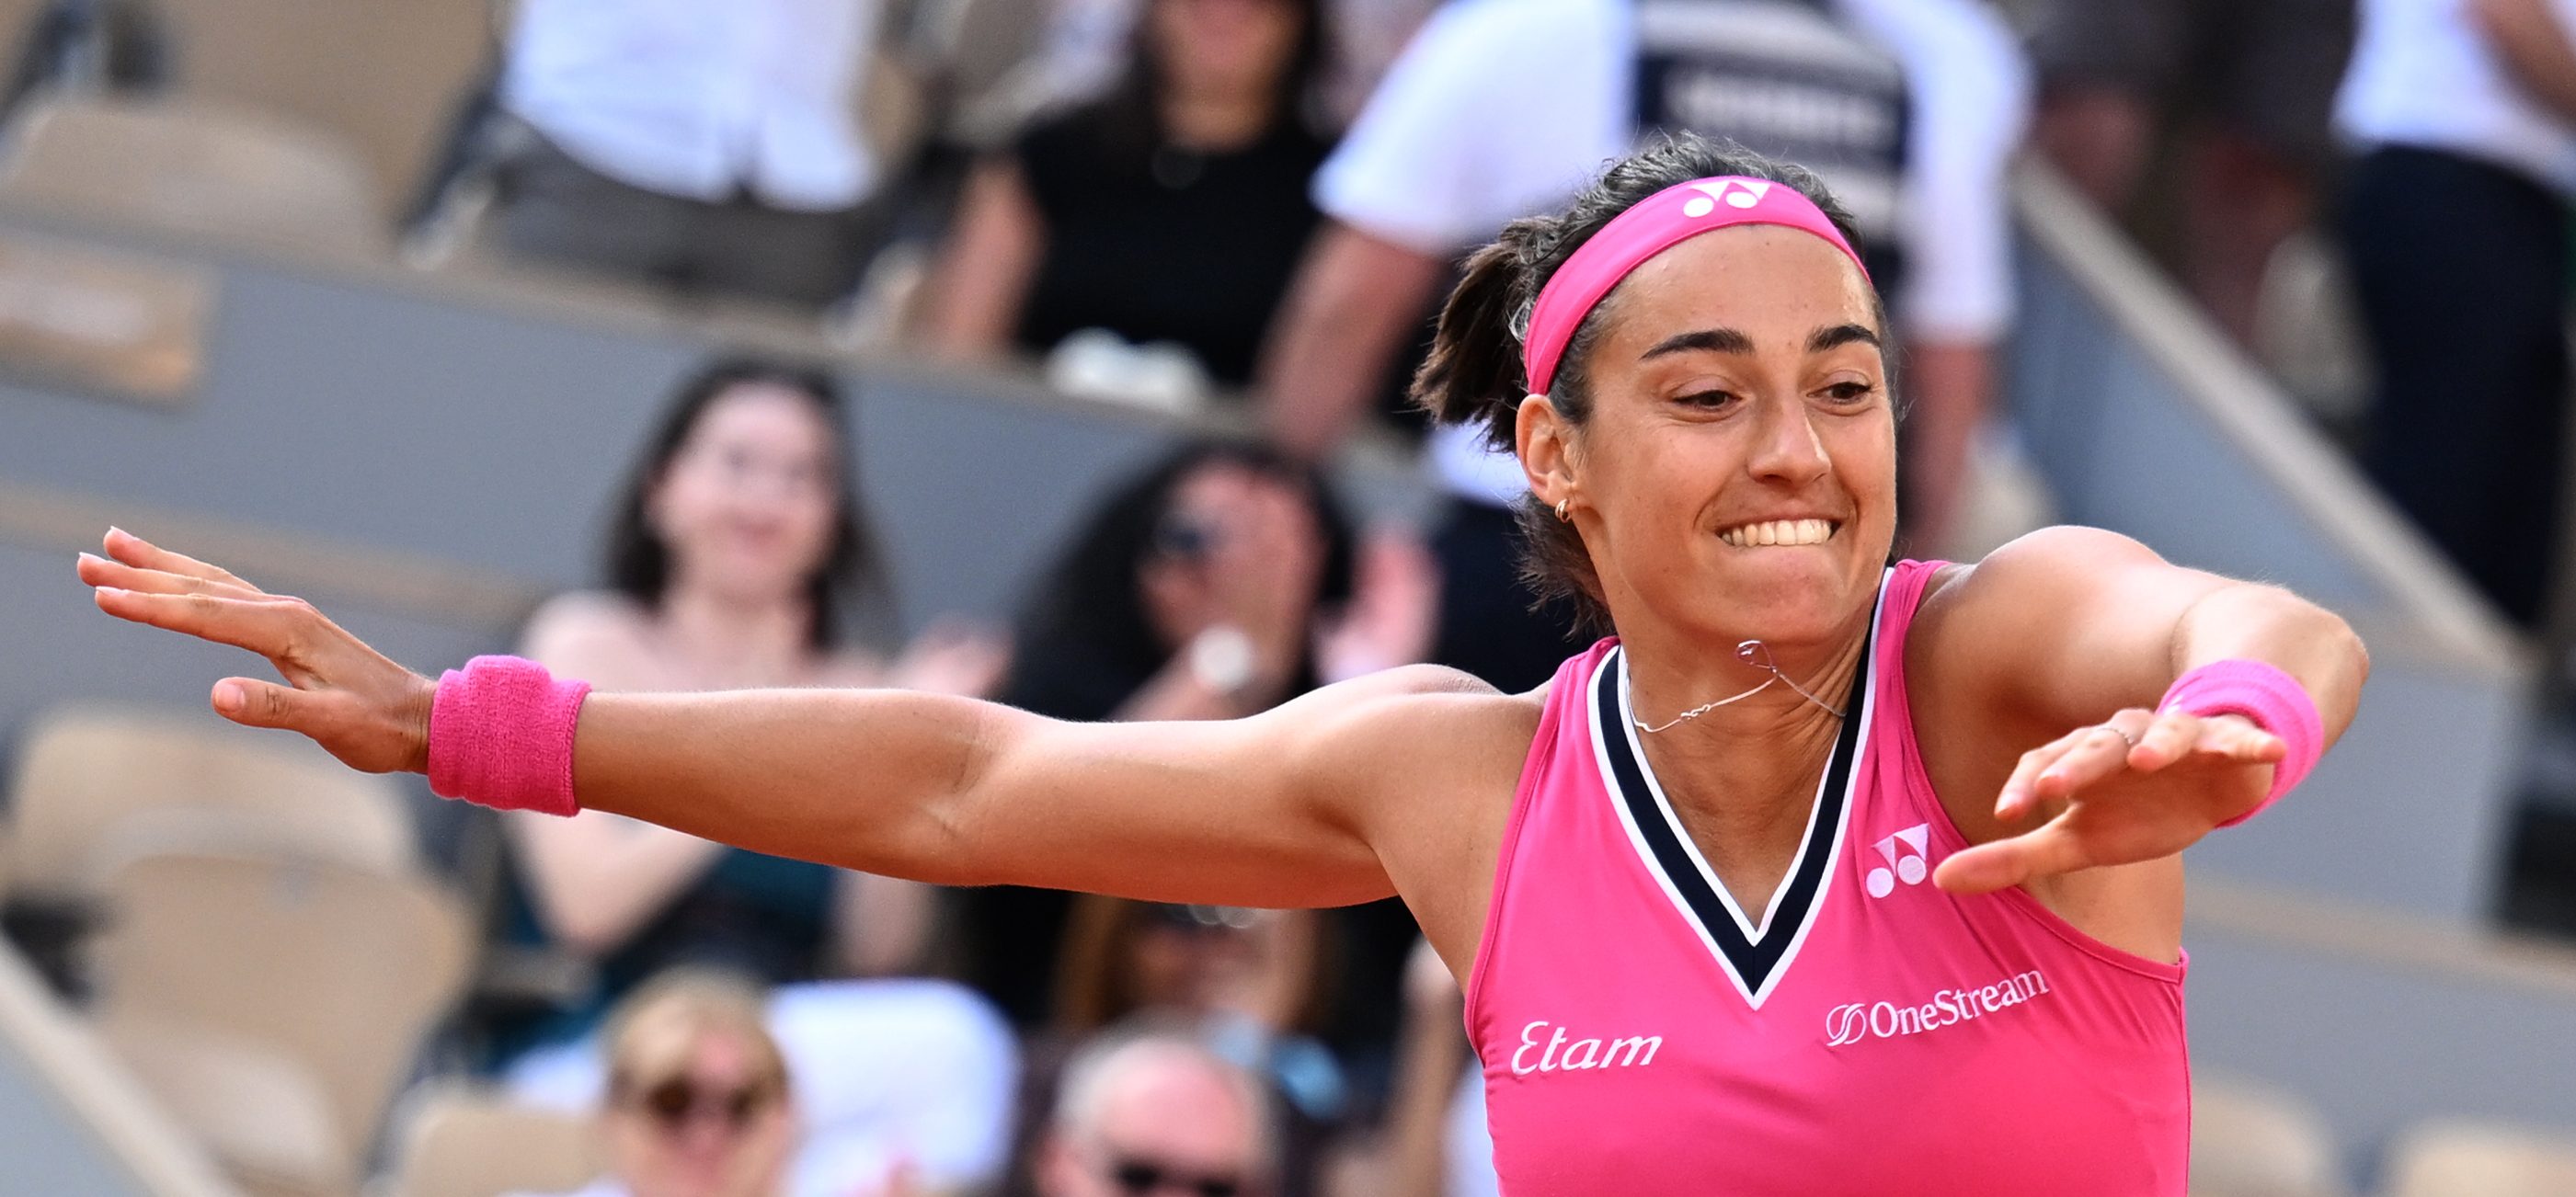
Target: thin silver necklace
(1758, 655)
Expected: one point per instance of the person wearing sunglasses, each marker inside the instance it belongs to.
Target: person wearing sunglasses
(1153, 1113)
(697, 1103)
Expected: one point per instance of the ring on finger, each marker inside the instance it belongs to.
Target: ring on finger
(2117, 730)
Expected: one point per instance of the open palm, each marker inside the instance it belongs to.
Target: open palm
(360, 706)
(2141, 786)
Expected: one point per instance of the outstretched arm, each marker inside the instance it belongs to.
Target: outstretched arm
(1268, 811)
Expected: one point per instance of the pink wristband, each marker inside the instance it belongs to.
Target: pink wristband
(2272, 700)
(500, 735)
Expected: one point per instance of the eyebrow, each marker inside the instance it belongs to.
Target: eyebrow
(1728, 340)
(1713, 340)
(1842, 334)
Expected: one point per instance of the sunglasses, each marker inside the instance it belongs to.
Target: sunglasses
(1139, 1177)
(680, 1101)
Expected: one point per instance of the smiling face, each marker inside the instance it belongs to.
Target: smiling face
(1736, 475)
(747, 504)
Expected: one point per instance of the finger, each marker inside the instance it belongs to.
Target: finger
(254, 703)
(2238, 739)
(2169, 737)
(99, 571)
(134, 550)
(2098, 752)
(2018, 798)
(2004, 863)
(264, 626)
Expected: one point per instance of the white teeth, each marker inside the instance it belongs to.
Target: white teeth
(1779, 532)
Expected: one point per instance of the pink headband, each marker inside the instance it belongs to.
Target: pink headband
(1655, 224)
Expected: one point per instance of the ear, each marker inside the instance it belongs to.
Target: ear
(1544, 439)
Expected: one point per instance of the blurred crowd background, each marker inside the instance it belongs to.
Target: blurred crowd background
(1225, 221)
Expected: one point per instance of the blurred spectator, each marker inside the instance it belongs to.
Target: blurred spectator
(2456, 225)
(1367, 37)
(1086, 45)
(697, 1101)
(704, 147)
(1217, 583)
(2251, 84)
(1155, 1115)
(735, 546)
(903, 1087)
(1247, 984)
(88, 46)
(1500, 108)
(1172, 209)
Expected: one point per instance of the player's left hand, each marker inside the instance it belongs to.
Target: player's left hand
(2137, 786)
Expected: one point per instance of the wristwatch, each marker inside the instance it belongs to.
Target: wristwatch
(1221, 658)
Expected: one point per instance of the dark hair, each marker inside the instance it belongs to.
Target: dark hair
(1133, 107)
(639, 564)
(1096, 982)
(1475, 370)
(1090, 611)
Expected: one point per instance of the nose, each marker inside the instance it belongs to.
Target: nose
(1787, 446)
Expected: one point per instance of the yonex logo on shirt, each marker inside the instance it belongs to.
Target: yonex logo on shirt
(1635, 1051)
(1856, 1021)
(1904, 852)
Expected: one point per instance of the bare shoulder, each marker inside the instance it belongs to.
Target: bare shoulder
(593, 634)
(2038, 568)
(1426, 761)
(1420, 742)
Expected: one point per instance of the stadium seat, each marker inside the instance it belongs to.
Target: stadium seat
(2467, 1158)
(457, 1142)
(343, 970)
(193, 166)
(383, 74)
(2249, 1140)
(98, 783)
(263, 1115)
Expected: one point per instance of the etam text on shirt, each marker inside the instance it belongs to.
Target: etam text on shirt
(1541, 1051)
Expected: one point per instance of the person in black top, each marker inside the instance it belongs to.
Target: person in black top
(1194, 591)
(1173, 209)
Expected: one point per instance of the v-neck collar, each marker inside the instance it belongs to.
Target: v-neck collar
(1754, 955)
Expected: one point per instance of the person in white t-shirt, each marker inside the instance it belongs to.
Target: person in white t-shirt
(1503, 108)
(2455, 222)
(706, 147)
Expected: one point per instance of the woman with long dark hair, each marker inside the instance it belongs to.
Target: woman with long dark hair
(1821, 876)
(1173, 209)
(736, 553)
(1218, 582)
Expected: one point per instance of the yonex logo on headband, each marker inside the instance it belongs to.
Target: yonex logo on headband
(1649, 227)
(1737, 193)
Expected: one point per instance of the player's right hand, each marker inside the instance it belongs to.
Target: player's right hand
(358, 705)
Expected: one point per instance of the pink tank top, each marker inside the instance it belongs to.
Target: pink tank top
(1867, 1034)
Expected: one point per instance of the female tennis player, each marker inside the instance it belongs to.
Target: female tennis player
(1822, 876)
